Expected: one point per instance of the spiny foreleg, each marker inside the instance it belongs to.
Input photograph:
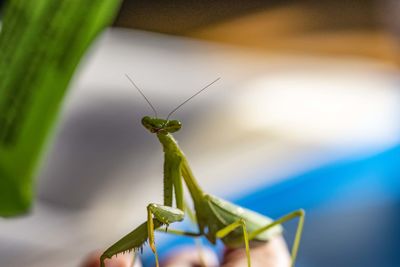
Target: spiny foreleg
(158, 215)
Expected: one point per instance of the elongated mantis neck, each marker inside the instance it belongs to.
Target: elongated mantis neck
(170, 145)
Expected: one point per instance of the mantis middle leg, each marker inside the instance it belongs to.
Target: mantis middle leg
(228, 229)
(295, 214)
(194, 235)
(249, 236)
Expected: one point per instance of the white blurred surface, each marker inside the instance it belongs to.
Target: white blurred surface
(270, 114)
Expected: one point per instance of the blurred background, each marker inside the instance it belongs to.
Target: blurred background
(306, 115)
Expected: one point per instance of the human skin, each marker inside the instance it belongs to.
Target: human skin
(271, 254)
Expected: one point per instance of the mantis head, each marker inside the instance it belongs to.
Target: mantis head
(156, 125)
(164, 126)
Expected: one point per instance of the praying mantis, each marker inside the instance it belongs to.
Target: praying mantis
(216, 218)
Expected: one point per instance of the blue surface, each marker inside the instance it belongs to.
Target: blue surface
(352, 212)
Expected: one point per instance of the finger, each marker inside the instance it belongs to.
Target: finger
(269, 254)
(191, 257)
(122, 260)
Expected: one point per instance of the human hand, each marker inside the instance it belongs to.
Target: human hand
(271, 254)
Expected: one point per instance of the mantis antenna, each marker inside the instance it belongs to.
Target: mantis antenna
(184, 102)
(140, 91)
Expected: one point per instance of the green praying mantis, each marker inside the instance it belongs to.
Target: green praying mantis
(216, 218)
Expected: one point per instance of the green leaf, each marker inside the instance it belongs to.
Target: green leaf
(41, 43)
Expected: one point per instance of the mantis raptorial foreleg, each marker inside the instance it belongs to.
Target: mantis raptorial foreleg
(295, 214)
(165, 215)
(157, 216)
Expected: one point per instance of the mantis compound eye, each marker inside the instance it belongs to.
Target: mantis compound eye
(173, 126)
(147, 123)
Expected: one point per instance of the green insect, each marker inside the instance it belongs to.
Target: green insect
(216, 218)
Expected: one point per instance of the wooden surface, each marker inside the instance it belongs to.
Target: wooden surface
(344, 28)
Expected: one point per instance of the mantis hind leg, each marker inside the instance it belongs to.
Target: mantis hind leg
(295, 214)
